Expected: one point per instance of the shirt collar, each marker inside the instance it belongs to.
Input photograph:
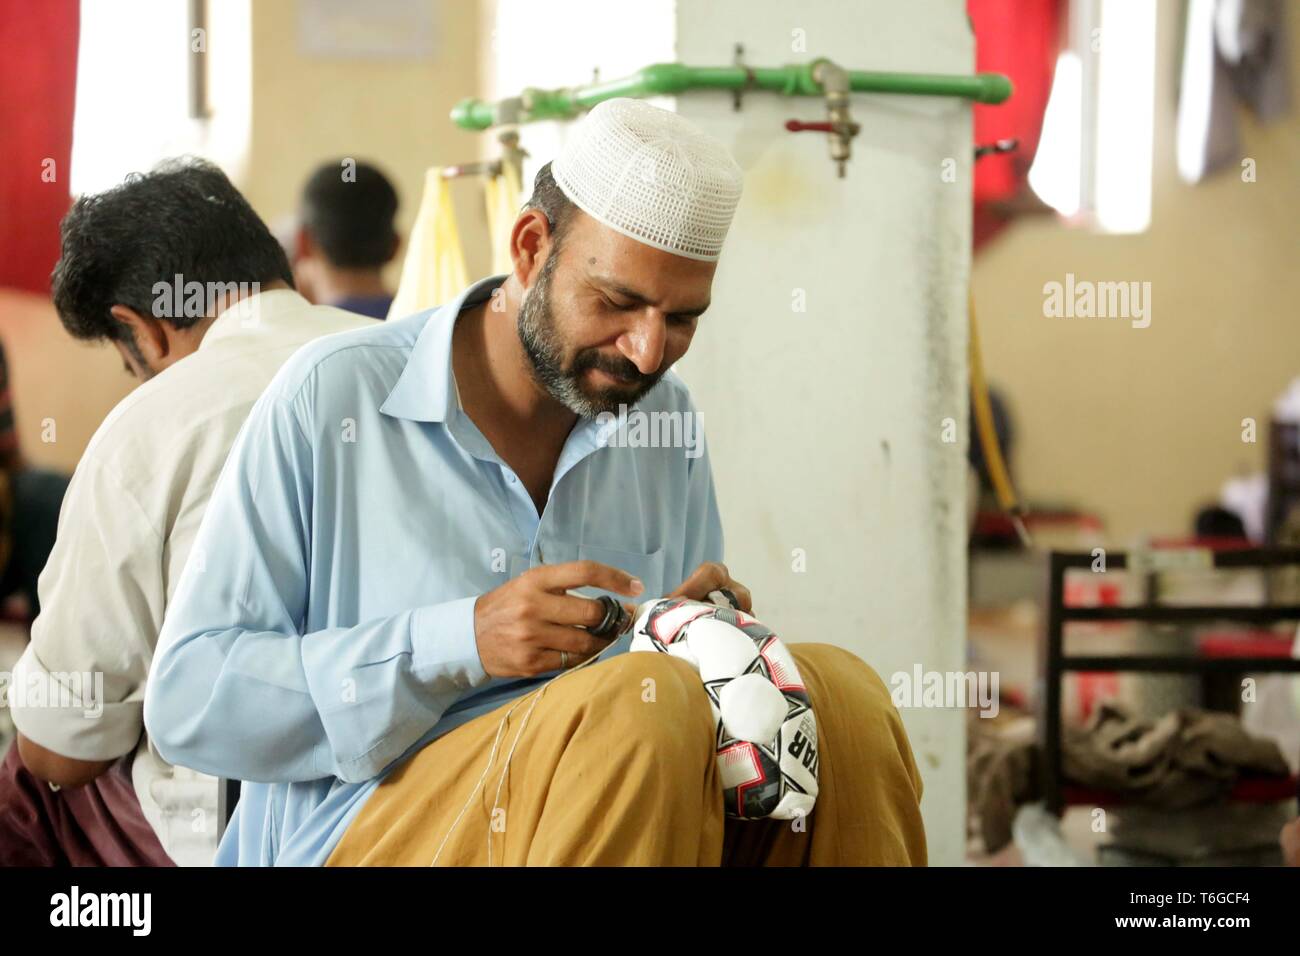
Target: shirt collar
(425, 391)
(261, 312)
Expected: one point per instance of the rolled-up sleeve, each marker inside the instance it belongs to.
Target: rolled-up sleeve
(79, 687)
(238, 689)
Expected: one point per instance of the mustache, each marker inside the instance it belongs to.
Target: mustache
(621, 368)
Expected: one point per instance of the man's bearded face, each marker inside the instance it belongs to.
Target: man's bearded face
(562, 368)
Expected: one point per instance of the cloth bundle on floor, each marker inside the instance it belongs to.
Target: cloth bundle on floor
(765, 728)
(1003, 773)
(1184, 759)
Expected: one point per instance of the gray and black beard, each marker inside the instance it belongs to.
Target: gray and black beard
(545, 351)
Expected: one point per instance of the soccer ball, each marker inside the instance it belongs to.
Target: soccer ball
(765, 729)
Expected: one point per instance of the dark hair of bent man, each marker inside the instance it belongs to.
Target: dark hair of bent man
(183, 218)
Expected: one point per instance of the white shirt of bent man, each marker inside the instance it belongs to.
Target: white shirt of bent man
(125, 530)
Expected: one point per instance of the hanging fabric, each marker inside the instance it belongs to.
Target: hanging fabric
(38, 83)
(1234, 53)
(433, 271)
(1022, 39)
(502, 195)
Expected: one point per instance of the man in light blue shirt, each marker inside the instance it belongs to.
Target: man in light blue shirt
(391, 548)
(411, 532)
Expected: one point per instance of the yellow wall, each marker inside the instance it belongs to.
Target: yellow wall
(394, 113)
(1144, 425)
(54, 378)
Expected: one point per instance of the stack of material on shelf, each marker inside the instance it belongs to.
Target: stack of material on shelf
(1183, 759)
(1186, 758)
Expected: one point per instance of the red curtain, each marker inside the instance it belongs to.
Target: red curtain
(38, 85)
(1022, 39)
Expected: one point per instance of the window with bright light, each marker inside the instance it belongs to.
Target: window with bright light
(133, 87)
(1094, 157)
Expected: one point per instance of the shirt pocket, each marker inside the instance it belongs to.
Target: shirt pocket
(648, 567)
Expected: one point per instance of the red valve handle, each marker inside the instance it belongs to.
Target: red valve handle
(798, 126)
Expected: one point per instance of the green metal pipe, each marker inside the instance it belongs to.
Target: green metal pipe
(670, 79)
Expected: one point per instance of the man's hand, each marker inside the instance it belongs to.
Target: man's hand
(522, 626)
(709, 577)
(44, 764)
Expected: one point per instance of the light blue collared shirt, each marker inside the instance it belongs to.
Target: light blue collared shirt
(323, 627)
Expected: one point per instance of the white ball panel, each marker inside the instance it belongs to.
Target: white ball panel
(794, 805)
(752, 709)
(722, 650)
(683, 651)
(642, 643)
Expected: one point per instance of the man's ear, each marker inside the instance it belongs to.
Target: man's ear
(530, 241)
(396, 247)
(148, 332)
(303, 245)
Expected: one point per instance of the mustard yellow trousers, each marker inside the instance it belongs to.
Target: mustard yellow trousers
(616, 767)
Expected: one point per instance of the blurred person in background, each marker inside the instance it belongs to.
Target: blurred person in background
(346, 237)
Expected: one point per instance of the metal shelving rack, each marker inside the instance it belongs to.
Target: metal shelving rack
(1054, 663)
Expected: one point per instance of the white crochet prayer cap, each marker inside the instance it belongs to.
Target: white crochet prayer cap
(651, 175)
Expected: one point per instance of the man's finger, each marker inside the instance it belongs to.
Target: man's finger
(579, 644)
(707, 577)
(558, 578)
(557, 663)
(572, 610)
(743, 597)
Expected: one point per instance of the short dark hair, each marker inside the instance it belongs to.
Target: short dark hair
(182, 218)
(350, 217)
(550, 201)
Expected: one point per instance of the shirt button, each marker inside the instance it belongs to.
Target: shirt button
(510, 478)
